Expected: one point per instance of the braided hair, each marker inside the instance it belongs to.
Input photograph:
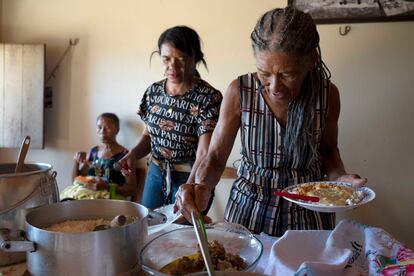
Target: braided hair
(294, 32)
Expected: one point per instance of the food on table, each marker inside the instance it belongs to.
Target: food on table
(77, 226)
(220, 259)
(82, 180)
(79, 191)
(87, 225)
(330, 194)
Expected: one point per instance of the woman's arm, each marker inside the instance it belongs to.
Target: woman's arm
(332, 163)
(80, 164)
(130, 186)
(141, 149)
(195, 197)
(202, 149)
(212, 166)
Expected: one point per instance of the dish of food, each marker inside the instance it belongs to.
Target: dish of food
(334, 196)
(82, 180)
(165, 250)
(221, 260)
(77, 226)
(88, 225)
(79, 190)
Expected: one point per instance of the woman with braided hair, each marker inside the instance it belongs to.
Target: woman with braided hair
(287, 113)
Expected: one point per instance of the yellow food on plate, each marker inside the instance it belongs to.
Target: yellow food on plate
(330, 194)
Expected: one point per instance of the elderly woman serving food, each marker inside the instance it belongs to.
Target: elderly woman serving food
(287, 113)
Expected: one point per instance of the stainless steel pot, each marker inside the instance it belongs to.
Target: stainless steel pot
(19, 192)
(108, 252)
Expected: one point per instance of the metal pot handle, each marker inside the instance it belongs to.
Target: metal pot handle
(35, 190)
(15, 241)
(155, 218)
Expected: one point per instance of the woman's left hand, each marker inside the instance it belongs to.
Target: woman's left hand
(97, 184)
(355, 179)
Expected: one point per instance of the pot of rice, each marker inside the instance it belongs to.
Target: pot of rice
(59, 238)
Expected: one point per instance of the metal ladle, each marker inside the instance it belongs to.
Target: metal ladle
(201, 235)
(22, 154)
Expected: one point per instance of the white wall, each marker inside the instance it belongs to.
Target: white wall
(109, 70)
(1, 13)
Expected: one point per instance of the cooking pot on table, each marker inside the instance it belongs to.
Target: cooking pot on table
(108, 252)
(34, 186)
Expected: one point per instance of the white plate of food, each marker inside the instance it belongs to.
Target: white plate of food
(333, 196)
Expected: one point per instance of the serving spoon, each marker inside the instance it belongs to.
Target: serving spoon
(296, 196)
(22, 154)
(203, 242)
(115, 222)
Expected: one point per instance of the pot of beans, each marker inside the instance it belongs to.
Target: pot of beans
(33, 186)
(61, 238)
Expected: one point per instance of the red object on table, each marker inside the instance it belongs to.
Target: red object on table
(296, 196)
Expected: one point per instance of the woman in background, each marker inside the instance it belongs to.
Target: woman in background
(98, 164)
(180, 113)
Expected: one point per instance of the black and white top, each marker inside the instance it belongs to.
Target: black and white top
(174, 123)
(252, 202)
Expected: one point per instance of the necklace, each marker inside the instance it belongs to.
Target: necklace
(183, 89)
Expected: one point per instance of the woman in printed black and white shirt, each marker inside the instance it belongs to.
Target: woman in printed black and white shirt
(180, 113)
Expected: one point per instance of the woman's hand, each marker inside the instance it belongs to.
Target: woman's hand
(127, 164)
(355, 179)
(192, 198)
(80, 159)
(97, 184)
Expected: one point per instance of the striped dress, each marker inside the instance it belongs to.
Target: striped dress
(261, 170)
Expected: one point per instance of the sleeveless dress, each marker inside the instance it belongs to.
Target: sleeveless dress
(261, 171)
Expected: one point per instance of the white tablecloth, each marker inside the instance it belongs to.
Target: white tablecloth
(267, 242)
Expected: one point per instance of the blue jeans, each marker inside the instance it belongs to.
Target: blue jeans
(153, 196)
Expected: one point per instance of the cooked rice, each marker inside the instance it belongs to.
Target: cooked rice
(77, 226)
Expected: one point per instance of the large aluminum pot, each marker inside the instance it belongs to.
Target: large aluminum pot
(35, 186)
(108, 252)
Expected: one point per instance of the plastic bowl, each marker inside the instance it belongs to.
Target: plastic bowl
(183, 242)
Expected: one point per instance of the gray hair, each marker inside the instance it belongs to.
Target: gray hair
(294, 32)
